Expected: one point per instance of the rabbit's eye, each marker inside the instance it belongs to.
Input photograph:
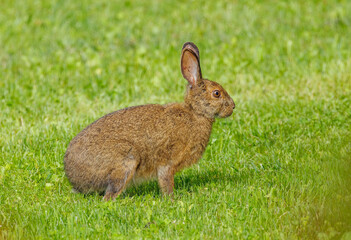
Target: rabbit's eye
(216, 93)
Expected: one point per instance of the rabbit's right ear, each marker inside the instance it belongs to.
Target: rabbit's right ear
(190, 63)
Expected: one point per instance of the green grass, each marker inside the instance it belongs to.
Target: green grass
(278, 168)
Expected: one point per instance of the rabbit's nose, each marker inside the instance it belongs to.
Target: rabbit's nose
(233, 103)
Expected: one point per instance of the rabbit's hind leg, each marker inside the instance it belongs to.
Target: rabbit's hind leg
(120, 176)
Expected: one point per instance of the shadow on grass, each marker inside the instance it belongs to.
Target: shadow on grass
(189, 182)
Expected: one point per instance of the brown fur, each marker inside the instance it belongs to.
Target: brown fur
(149, 141)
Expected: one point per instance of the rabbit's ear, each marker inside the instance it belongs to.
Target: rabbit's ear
(190, 63)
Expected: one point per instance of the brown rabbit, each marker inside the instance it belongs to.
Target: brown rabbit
(148, 141)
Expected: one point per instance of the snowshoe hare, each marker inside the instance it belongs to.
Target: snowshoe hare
(148, 141)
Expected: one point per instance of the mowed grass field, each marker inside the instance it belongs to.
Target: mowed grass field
(278, 168)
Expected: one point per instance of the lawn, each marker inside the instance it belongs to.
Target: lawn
(278, 168)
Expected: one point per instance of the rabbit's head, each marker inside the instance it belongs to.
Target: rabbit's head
(205, 97)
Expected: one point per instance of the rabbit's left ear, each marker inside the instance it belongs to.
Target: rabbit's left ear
(190, 63)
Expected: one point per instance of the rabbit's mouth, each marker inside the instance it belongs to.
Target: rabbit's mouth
(225, 114)
(227, 110)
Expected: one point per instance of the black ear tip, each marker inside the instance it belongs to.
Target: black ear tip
(189, 44)
(192, 47)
